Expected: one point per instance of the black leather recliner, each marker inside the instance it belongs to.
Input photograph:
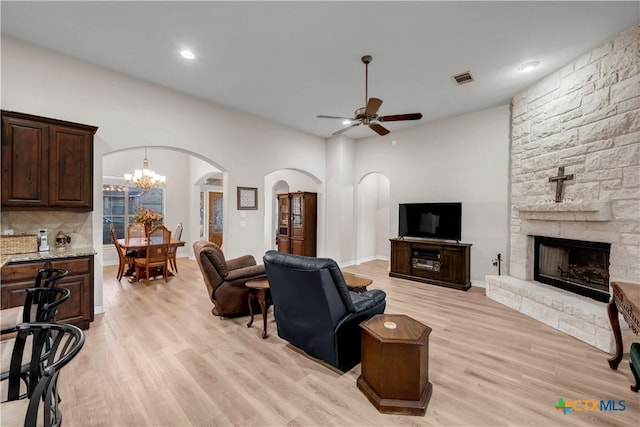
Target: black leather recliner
(314, 309)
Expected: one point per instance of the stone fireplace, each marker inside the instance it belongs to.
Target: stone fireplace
(584, 118)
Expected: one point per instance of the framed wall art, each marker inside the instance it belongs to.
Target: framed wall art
(247, 198)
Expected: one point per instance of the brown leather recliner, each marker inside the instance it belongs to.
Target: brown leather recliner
(225, 279)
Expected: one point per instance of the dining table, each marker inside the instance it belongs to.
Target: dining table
(140, 243)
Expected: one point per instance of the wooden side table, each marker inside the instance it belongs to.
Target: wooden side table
(260, 290)
(356, 283)
(626, 298)
(395, 364)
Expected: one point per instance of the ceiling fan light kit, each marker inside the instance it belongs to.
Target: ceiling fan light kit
(368, 115)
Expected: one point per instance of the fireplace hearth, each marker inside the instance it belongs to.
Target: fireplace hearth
(573, 265)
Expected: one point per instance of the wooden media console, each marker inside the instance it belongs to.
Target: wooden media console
(436, 262)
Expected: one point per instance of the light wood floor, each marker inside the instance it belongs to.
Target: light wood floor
(158, 357)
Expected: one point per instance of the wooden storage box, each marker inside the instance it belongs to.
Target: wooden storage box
(18, 244)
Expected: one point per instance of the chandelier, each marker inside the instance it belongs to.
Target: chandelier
(145, 178)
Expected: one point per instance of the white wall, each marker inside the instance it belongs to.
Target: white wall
(461, 159)
(133, 113)
(382, 218)
(341, 221)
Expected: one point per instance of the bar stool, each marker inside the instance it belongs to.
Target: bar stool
(40, 305)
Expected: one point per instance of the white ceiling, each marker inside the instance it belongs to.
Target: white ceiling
(290, 61)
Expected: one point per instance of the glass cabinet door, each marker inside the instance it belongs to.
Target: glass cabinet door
(297, 215)
(283, 212)
(296, 211)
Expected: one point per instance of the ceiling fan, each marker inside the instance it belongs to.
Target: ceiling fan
(369, 115)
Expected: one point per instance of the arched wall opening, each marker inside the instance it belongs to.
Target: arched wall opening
(280, 187)
(187, 175)
(285, 181)
(210, 188)
(373, 217)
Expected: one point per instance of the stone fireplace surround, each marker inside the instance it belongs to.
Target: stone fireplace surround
(576, 315)
(586, 117)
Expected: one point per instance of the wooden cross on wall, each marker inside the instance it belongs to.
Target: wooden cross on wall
(559, 181)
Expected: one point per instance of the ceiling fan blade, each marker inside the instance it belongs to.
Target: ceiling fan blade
(346, 129)
(335, 117)
(372, 106)
(379, 129)
(399, 117)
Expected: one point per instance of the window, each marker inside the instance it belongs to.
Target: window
(120, 203)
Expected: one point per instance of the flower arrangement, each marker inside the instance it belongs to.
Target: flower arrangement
(148, 217)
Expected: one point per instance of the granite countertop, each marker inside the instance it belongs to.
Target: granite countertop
(70, 252)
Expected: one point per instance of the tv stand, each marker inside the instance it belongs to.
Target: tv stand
(437, 262)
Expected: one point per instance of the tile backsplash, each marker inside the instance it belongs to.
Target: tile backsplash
(77, 224)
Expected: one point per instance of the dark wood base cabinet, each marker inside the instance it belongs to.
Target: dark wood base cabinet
(432, 261)
(77, 310)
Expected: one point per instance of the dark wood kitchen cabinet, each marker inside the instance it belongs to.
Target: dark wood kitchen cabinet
(46, 163)
(77, 310)
(297, 223)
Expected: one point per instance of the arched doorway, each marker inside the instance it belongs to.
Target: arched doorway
(280, 187)
(285, 181)
(186, 174)
(373, 217)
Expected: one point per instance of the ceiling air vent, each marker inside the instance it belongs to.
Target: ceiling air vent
(463, 78)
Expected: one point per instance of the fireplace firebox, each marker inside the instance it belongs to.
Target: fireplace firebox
(573, 265)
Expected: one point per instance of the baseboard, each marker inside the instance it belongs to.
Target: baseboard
(363, 260)
(373, 258)
(478, 283)
(346, 264)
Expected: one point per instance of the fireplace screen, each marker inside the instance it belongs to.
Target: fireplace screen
(574, 265)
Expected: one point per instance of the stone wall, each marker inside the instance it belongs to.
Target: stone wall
(586, 117)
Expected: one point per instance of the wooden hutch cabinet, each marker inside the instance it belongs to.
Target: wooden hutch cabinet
(46, 163)
(432, 261)
(297, 223)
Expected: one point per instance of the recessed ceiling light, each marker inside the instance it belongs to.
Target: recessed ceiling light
(528, 66)
(187, 54)
(346, 122)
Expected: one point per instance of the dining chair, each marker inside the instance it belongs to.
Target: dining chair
(156, 254)
(173, 251)
(125, 259)
(135, 230)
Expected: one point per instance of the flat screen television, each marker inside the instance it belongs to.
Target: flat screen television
(431, 220)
